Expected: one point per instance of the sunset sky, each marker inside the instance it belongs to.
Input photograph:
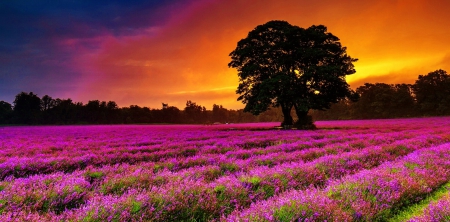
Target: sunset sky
(148, 52)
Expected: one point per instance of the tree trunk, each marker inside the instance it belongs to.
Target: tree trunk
(288, 121)
(304, 120)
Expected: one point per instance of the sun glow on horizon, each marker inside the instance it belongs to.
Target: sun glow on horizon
(185, 56)
(204, 90)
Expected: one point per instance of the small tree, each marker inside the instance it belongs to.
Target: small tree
(27, 107)
(219, 114)
(47, 102)
(381, 100)
(5, 112)
(282, 65)
(194, 113)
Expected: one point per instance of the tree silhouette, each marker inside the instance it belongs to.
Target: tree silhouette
(381, 100)
(27, 108)
(404, 101)
(433, 93)
(5, 112)
(194, 113)
(112, 112)
(286, 66)
(47, 102)
(93, 109)
(171, 114)
(219, 114)
(429, 96)
(66, 112)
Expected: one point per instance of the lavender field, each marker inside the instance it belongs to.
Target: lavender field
(365, 170)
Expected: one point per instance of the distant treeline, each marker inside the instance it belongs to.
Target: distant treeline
(29, 109)
(428, 96)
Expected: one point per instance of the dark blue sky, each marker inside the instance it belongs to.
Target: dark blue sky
(31, 55)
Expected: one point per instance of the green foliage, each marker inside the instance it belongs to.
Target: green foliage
(411, 166)
(395, 170)
(220, 192)
(212, 174)
(3, 204)
(170, 166)
(266, 162)
(255, 181)
(267, 190)
(416, 209)
(2, 186)
(287, 212)
(358, 145)
(135, 207)
(189, 152)
(284, 181)
(95, 175)
(229, 167)
(157, 168)
(398, 150)
(119, 185)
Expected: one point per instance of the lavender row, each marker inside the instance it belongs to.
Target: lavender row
(438, 211)
(57, 141)
(22, 167)
(192, 199)
(369, 195)
(262, 181)
(208, 174)
(217, 198)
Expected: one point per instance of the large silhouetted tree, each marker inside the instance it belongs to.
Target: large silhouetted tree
(433, 93)
(286, 66)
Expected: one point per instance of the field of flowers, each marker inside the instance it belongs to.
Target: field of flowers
(365, 170)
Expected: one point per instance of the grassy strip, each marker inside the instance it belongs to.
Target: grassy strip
(418, 208)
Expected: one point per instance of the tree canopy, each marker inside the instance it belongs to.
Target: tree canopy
(433, 92)
(27, 107)
(381, 100)
(282, 65)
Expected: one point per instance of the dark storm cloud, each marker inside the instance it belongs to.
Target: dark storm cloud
(41, 18)
(35, 36)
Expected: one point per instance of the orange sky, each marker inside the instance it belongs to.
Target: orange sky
(187, 57)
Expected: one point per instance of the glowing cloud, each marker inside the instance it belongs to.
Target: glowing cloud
(146, 60)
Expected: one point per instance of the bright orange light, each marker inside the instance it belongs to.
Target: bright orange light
(187, 58)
